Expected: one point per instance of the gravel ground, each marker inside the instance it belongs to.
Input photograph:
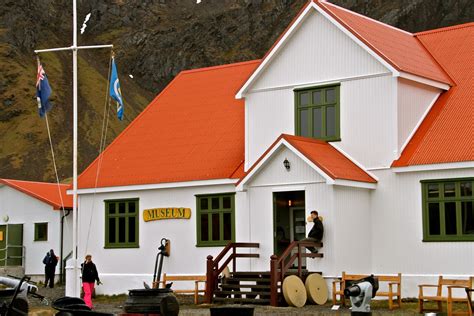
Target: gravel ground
(114, 305)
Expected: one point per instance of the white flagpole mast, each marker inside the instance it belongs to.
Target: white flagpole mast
(75, 286)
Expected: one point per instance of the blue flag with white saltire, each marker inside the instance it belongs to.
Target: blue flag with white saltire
(43, 91)
(115, 92)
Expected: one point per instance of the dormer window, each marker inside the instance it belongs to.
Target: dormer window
(317, 113)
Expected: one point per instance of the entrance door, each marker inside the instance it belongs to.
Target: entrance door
(11, 245)
(288, 216)
(3, 245)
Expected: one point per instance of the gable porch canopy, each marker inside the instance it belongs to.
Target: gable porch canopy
(327, 161)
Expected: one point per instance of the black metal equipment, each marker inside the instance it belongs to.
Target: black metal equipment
(19, 301)
(361, 293)
(164, 250)
(154, 300)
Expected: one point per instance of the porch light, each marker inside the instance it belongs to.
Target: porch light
(286, 163)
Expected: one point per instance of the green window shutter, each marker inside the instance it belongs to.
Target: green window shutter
(121, 223)
(215, 220)
(41, 231)
(448, 210)
(317, 113)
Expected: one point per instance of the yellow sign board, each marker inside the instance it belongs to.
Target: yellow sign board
(1, 235)
(154, 214)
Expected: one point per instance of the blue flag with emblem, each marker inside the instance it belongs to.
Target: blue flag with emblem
(43, 91)
(115, 92)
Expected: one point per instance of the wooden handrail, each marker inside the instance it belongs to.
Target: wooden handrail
(214, 270)
(279, 266)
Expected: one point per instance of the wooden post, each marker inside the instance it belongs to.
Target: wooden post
(299, 260)
(273, 281)
(210, 280)
(234, 261)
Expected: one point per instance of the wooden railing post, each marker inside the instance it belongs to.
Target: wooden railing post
(209, 280)
(273, 280)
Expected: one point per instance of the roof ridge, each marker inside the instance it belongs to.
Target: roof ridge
(241, 63)
(304, 139)
(38, 182)
(365, 17)
(445, 29)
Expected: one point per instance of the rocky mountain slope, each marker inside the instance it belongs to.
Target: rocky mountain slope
(153, 41)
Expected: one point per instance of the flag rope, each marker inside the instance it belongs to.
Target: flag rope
(103, 140)
(54, 161)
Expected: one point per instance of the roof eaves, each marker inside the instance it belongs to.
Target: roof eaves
(55, 205)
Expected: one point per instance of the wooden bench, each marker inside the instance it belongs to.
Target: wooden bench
(190, 278)
(448, 285)
(394, 295)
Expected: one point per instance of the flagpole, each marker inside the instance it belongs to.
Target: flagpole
(76, 285)
(74, 150)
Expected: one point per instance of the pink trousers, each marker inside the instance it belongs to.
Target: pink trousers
(88, 289)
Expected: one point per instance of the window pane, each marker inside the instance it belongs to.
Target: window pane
(450, 218)
(112, 230)
(121, 229)
(304, 123)
(216, 227)
(317, 97)
(467, 218)
(204, 204)
(466, 188)
(226, 202)
(111, 208)
(131, 229)
(434, 219)
(121, 207)
(304, 98)
(330, 95)
(433, 190)
(330, 121)
(449, 189)
(41, 231)
(215, 203)
(204, 227)
(317, 122)
(227, 226)
(131, 207)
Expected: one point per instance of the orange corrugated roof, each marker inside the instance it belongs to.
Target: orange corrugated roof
(447, 132)
(399, 48)
(324, 156)
(328, 159)
(46, 192)
(193, 130)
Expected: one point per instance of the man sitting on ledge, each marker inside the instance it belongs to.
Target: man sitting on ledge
(316, 233)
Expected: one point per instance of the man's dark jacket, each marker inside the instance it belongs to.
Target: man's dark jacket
(318, 230)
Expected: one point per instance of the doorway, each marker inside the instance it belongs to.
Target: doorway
(11, 245)
(289, 219)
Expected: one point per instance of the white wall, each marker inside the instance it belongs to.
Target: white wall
(127, 268)
(414, 100)
(352, 230)
(397, 232)
(24, 209)
(317, 51)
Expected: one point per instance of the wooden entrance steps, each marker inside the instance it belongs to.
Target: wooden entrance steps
(244, 287)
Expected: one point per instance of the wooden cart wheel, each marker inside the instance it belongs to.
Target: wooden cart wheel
(294, 291)
(317, 289)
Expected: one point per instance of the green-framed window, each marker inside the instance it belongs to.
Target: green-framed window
(41, 231)
(448, 210)
(121, 223)
(317, 113)
(215, 219)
